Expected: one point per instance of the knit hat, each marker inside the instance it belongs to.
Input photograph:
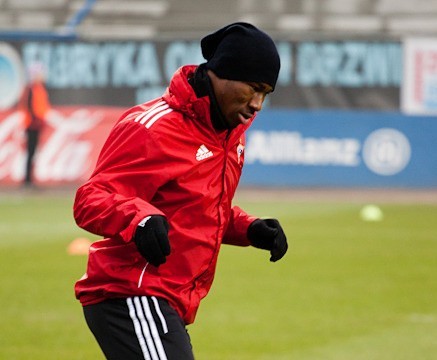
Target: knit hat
(242, 52)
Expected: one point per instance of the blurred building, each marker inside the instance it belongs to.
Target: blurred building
(142, 19)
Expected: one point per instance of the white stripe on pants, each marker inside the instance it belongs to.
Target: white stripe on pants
(145, 328)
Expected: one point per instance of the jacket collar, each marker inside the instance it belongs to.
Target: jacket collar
(202, 86)
(181, 96)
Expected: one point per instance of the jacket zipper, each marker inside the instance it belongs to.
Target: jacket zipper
(225, 161)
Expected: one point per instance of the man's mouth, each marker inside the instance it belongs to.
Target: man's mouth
(244, 118)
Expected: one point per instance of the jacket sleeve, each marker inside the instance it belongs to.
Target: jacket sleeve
(236, 232)
(127, 175)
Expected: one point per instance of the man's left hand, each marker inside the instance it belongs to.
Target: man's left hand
(268, 234)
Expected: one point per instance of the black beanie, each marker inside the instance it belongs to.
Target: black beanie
(242, 52)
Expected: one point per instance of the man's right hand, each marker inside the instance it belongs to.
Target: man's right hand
(151, 238)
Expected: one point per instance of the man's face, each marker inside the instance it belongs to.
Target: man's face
(238, 100)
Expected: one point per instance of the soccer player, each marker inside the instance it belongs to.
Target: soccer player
(161, 195)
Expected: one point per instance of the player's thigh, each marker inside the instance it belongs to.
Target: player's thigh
(139, 328)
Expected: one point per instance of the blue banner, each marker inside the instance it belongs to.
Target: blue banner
(332, 148)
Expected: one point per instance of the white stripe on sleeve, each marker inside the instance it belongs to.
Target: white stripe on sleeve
(144, 113)
(153, 112)
(157, 117)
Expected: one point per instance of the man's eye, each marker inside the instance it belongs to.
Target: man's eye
(257, 88)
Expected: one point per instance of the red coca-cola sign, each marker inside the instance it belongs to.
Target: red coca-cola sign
(69, 146)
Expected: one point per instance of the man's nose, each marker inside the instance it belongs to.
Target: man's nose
(256, 102)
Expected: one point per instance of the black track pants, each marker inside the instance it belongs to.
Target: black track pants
(32, 144)
(139, 327)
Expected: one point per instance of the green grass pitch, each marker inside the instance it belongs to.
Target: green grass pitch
(347, 289)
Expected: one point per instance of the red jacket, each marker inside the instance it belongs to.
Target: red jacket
(163, 157)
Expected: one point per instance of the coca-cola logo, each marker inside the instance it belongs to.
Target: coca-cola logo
(12, 155)
(68, 149)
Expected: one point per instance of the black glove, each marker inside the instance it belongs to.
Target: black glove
(267, 234)
(151, 238)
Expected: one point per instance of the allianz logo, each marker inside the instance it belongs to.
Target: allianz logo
(385, 151)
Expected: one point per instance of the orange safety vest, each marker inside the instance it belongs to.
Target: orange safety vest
(36, 108)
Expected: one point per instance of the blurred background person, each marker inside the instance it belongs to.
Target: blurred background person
(35, 106)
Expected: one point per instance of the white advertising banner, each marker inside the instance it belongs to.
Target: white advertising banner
(419, 88)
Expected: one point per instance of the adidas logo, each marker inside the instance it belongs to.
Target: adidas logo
(203, 153)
